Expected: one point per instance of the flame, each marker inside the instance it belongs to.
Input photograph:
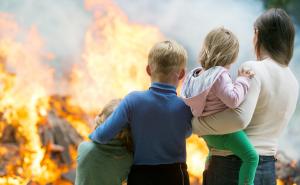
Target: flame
(25, 84)
(279, 182)
(197, 152)
(115, 57)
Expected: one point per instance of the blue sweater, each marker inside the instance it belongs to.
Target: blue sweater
(159, 122)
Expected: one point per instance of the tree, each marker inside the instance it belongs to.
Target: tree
(291, 6)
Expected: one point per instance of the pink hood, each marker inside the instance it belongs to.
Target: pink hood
(197, 85)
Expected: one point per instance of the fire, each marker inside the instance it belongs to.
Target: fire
(196, 156)
(280, 182)
(25, 84)
(115, 56)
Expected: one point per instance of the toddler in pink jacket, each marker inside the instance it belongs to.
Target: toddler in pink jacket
(209, 89)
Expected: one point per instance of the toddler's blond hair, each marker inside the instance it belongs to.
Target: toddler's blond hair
(220, 48)
(125, 134)
(166, 57)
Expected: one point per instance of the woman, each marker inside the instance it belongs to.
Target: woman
(268, 107)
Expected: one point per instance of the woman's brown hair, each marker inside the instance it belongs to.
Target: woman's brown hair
(275, 35)
(125, 134)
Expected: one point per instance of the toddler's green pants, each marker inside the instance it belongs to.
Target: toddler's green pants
(239, 144)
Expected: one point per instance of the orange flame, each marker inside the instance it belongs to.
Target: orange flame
(25, 87)
(115, 57)
(196, 157)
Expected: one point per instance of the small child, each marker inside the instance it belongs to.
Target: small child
(209, 90)
(159, 121)
(105, 164)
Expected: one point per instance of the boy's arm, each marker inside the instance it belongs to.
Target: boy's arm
(118, 120)
(231, 94)
(230, 120)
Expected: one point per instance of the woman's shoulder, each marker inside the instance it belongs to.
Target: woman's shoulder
(257, 67)
(251, 64)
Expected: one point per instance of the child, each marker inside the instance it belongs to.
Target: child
(105, 164)
(159, 121)
(209, 90)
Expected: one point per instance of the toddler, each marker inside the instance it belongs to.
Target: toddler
(209, 89)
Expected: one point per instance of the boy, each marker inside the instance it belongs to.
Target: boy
(158, 119)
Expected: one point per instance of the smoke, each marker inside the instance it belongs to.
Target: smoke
(189, 22)
(63, 24)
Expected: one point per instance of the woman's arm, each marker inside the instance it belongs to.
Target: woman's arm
(230, 120)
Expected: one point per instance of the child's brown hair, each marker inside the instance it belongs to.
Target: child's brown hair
(220, 48)
(125, 134)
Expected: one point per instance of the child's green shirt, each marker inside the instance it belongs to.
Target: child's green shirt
(102, 164)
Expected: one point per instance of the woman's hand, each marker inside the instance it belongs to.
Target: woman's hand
(248, 73)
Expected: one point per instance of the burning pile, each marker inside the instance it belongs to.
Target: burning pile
(24, 97)
(29, 116)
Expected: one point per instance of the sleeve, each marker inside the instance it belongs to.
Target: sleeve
(231, 94)
(230, 120)
(118, 120)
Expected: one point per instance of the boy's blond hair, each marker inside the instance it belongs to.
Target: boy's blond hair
(166, 57)
(125, 134)
(220, 48)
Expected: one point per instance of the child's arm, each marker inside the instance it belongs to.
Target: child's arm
(231, 120)
(118, 120)
(231, 93)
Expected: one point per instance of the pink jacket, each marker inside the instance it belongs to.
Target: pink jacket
(211, 91)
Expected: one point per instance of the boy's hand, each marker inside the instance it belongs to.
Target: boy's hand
(246, 73)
